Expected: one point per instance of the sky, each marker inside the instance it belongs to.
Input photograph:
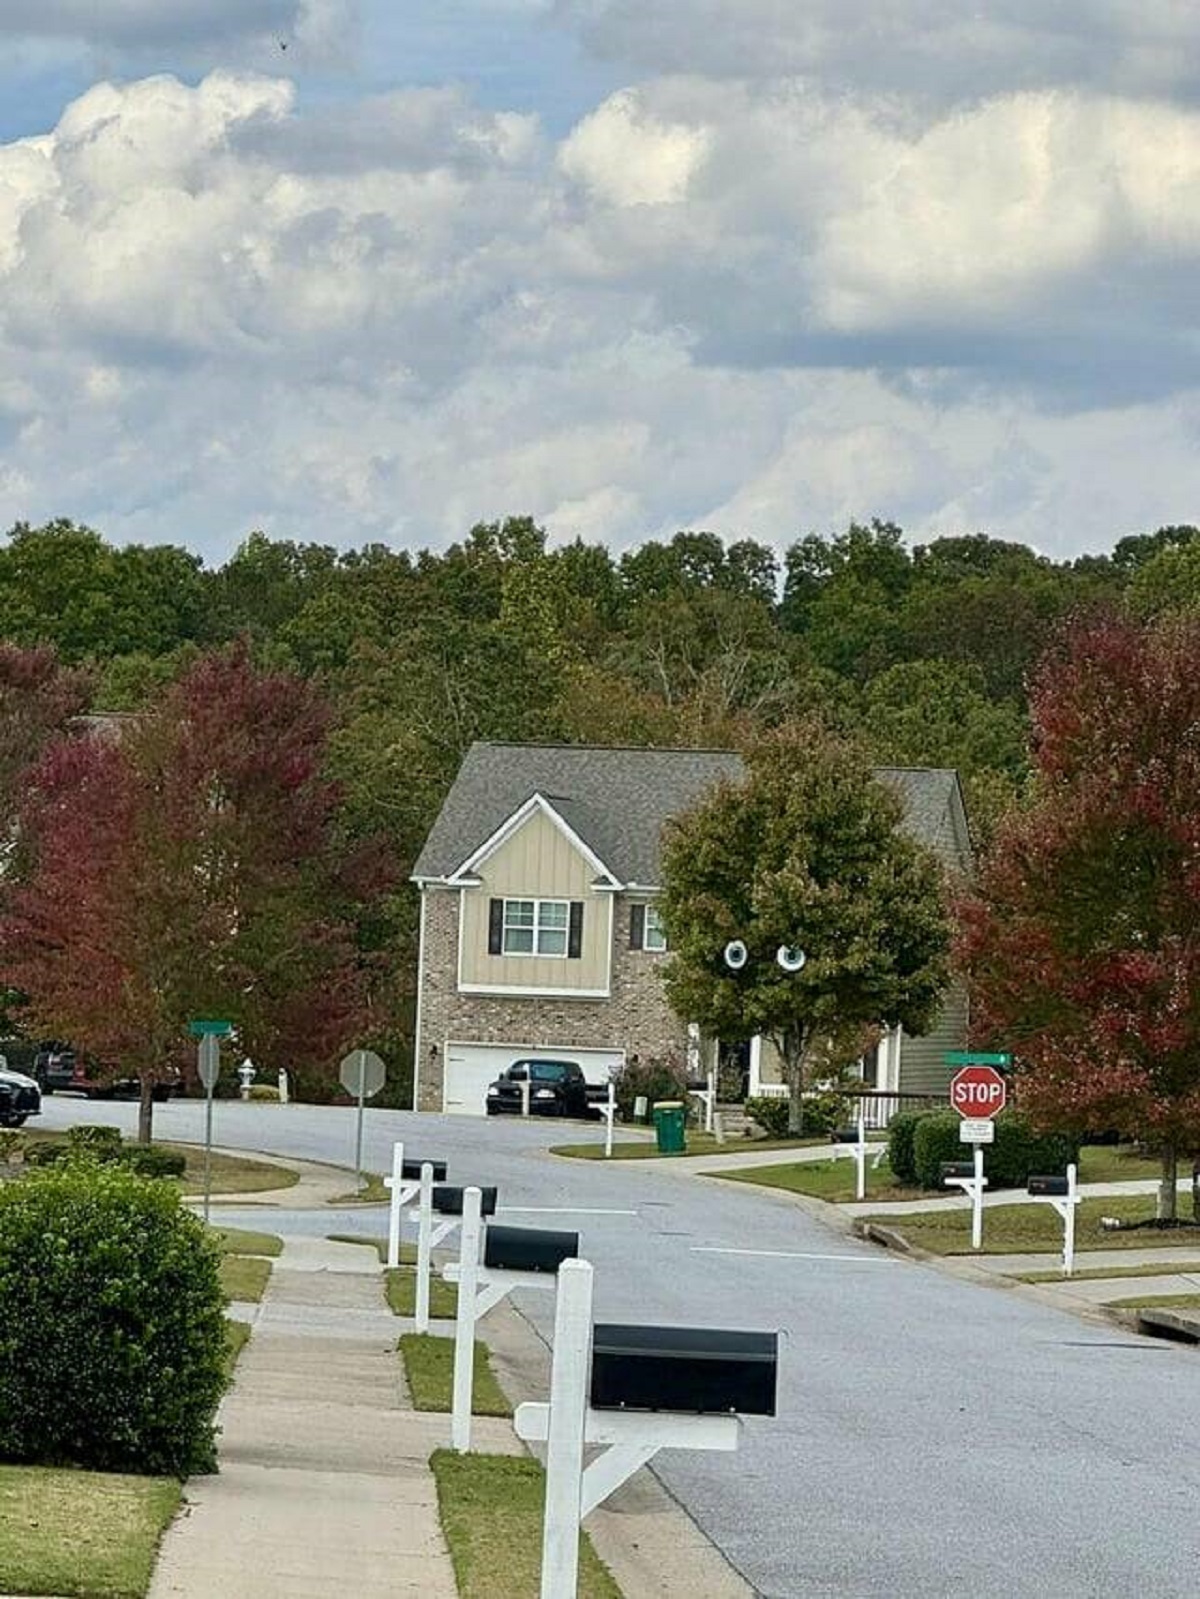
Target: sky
(352, 270)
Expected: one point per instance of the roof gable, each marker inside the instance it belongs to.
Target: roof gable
(535, 805)
(614, 804)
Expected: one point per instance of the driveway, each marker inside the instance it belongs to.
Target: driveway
(936, 1436)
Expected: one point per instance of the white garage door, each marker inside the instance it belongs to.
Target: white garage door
(471, 1067)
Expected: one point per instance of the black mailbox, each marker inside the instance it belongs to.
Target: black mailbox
(957, 1168)
(701, 1369)
(410, 1170)
(845, 1135)
(1051, 1186)
(528, 1248)
(449, 1201)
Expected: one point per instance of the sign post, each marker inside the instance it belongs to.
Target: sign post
(362, 1074)
(978, 1093)
(208, 1069)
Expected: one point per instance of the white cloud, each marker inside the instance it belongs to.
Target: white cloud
(753, 308)
(625, 156)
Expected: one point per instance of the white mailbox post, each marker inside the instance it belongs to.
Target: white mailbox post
(707, 1097)
(609, 1111)
(852, 1141)
(970, 1178)
(627, 1440)
(402, 1193)
(1063, 1193)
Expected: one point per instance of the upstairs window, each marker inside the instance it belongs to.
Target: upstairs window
(646, 929)
(552, 927)
(655, 935)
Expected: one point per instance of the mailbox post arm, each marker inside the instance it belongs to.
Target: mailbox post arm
(424, 1246)
(464, 1325)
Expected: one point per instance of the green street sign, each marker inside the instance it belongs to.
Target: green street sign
(975, 1057)
(210, 1029)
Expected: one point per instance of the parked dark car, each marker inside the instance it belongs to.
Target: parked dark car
(20, 1097)
(556, 1088)
(57, 1067)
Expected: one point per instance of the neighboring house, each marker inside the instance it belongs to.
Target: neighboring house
(539, 933)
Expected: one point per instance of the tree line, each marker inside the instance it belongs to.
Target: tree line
(922, 654)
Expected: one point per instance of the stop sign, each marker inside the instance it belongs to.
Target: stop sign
(978, 1091)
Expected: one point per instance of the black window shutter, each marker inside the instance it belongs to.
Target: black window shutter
(575, 932)
(495, 927)
(637, 927)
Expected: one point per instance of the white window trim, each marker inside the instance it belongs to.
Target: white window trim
(659, 944)
(537, 929)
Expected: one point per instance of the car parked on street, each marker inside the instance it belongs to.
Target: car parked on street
(59, 1069)
(20, 1097)
(556, 1088)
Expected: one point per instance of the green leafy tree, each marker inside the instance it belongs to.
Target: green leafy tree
(807, 852)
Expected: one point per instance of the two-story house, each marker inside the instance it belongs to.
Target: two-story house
(538, 930)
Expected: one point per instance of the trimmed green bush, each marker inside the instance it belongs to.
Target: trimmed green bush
(112, 1337)
(901, 1153)
(47, 1152)
(151, 1161)
(1008, 1163)
(264, 1092)
(770, 1114)
(102, 1143)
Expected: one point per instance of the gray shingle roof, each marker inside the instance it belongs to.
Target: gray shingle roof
(617, 800)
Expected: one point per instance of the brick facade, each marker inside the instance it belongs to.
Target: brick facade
(635, 1018)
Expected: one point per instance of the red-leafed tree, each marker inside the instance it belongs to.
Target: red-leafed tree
(1082, 940)
(193, 866)
(38, 697)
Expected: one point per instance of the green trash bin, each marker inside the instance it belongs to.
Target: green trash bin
(670, 1118)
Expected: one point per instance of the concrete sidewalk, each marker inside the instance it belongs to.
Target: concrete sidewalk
(324, 1484)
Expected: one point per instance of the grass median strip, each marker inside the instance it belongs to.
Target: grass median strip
(1037, 1229)
(429, 1367)
(244, 1277)
(1182, 1268)
(237, 1334)
(491, 1510)
(81, 1533)
(400, 1286)
(239, 1241)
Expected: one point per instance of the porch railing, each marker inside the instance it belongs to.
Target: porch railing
(878, 1105)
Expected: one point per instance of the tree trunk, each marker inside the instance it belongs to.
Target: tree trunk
(146, 1107)
(1196, 1190)
(792, 1050)
(1166, 1183)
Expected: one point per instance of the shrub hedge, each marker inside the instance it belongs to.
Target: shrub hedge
(1017, 1152)
(822, 1113)
(662, 1078)
(104, 1146)
(901, 1154)
(112, 1337)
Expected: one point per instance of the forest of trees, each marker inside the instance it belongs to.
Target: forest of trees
(922, 652)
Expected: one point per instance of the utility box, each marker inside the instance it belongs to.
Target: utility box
(708, 1371)
(1049, 1187)
(410, 1170)
(449, 1201)
(957, 1168)
(528, 1248)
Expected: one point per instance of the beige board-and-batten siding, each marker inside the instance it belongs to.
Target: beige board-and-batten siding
(537, 862)
(636, 1019)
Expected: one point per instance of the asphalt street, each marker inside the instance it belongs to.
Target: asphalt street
(935, 1437)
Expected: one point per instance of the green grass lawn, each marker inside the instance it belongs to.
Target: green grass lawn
(1100, 1273)
(371, 1193)
(429, 1367)
(85, 1533)
(400, 1286)
(232, 1174)
(491, 1510)
(1037, 1229)
(239, 1241)
(831, 1180)
(697, 1144)
(244, 1277)
(1114, 1163)
(236, 1335)
(1151, 1301)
